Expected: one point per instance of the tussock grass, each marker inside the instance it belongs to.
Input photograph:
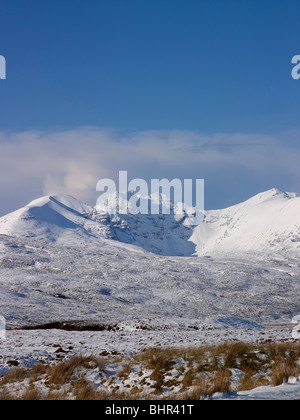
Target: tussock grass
(221, 382)
(14, 375)
(170, 373)
(63, 372)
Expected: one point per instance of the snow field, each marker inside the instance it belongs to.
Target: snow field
(229, 370)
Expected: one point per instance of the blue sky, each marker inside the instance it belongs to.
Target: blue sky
(217, 73)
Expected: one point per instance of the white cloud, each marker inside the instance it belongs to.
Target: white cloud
(33, 163)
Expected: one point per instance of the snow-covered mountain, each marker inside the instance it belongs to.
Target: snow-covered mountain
(50, 219)
(267, 222)
(65, 220)
(62, 260)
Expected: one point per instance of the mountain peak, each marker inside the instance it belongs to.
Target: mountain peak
(267, 222)
(47, 217)
(273, 192)
(272, 195)
(121, 203)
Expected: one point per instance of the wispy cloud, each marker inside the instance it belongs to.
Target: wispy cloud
(34, 163)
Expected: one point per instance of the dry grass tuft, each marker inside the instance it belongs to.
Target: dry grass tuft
(64, 372)
(282, 370)
(221, 382)
(180, 373)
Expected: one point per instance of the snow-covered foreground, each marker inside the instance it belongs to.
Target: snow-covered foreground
(30, 347)
(289, 390)
(122, 361)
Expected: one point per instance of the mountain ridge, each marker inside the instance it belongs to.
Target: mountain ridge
(266, 222)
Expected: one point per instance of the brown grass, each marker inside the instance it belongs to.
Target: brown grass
(14, 375)
(221, 382)
(282, 370)
(187, 373)
(64, 372)
(32, 394)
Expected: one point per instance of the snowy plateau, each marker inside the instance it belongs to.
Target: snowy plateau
(127, 282)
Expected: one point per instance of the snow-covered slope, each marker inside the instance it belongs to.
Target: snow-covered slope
(50, 219)
(64, 219)
(163, 234)
(266, 223)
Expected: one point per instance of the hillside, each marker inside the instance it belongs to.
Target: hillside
(266, 223)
